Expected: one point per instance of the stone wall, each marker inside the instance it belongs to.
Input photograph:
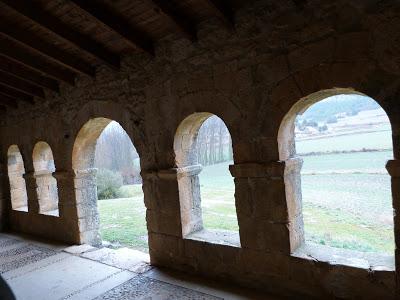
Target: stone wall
(255, 78)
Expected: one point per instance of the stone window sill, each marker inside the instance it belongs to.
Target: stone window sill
(21, 209)
(352, 258)
(51, 213)
(219, 237)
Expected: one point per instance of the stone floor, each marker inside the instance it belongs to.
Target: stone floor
(38, 270)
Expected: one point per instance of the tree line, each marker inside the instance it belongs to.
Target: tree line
(115, 151)
(214, 143)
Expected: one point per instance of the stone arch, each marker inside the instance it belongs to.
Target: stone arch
(186, 139)
(83, 155)
(46, 184)
(83, 164)
(188, 169)
(286, 143)
(293, 163)
(16, 171)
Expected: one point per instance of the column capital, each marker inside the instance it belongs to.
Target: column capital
(63, 174)
(258, 170)
(393, 167)
(82, 173)
(293, 164)
(172, 173)
(29, 175)
(187, 171)
(43, 173)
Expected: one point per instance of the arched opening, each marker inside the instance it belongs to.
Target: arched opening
(203, 149)
(336, 144)
(46, 184)
(109, 186)
(16, 171)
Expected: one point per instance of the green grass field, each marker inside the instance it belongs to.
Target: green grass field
(372, 140)
(346, 202)
(123, 221)
(347, 199)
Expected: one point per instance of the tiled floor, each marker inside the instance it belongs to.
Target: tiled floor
(37, 270)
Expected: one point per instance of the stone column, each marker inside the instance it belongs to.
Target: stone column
(393, 168)
(18, 194)
(31, 191)
(86, 206)
(67, 204)
(268, 221)
(190, 199)
(292, 178)
(161, 197)
(162, 200)
(5, 201)
(46, 192)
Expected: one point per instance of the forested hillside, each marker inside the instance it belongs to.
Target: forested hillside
(350, 105)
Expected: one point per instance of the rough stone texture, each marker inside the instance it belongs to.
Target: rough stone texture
(280, 59)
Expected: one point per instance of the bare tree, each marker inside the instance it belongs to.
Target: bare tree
(213, 142)
(115, 151)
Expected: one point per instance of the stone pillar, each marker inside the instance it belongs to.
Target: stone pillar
(47, 194)
(18, 193)
(266, 219)
(33, 203)
(67, 204)
(5, 201)
(86, 206)
(162, 200)
(393, 168)
(161, 197)
(292, 178)
(190, 199)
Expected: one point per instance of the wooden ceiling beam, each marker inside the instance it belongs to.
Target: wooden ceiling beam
(24, 73)
(8, 101)
(4, 90)
(27, 59)
(108, 18)
(20, 85)
(182, 22)
(57, 55)
(51, 23)
(224, 10)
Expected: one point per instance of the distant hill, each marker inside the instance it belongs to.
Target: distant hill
(350, 104)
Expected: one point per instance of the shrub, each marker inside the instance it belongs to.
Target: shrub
(108, 184)
(129, 191)
(323, 128)
(312, 123)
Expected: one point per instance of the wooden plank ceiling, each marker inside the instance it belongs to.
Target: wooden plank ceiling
(43, 43)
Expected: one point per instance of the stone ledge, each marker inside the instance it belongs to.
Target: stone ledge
(345, 257)
(219, 237)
